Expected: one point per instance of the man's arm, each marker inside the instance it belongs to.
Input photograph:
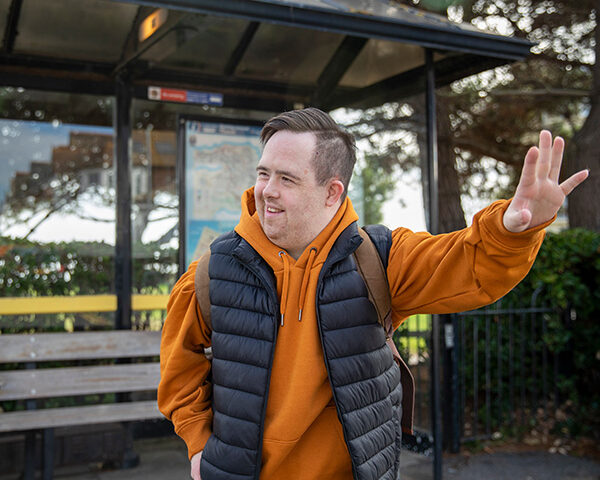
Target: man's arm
(475, 266)
(184, 393)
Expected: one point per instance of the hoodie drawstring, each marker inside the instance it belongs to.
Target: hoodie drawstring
(286, 282)
(307, 269)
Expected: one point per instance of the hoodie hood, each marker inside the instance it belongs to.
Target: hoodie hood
(283, 264)
(250, 229)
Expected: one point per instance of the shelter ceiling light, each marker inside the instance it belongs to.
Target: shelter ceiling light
(152, 23)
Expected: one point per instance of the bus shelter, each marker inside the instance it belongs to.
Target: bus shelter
(145, 70)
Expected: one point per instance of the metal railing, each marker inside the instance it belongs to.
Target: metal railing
(499, 372)
(413, 339)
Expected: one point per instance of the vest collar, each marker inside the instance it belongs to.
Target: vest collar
(345, 245)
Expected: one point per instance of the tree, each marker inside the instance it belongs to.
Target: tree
(386, 137)
(584, 210)
(487, 122)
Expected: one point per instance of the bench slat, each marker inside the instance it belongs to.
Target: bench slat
(72, 416)
(40, 347)
(55, 382)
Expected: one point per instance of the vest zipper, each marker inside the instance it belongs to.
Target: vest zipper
(326, 358)
(272, 292)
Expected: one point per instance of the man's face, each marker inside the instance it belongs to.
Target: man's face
(290, 204)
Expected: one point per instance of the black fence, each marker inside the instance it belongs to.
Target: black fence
(413, 339)
(500, 375)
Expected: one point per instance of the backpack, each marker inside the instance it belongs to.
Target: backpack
(373, 273)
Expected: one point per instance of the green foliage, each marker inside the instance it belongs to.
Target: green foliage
(565, 278)
(29, 269)
(378, 186)
(413, 346)
(568, 268)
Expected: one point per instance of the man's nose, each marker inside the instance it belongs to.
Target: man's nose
(271, 189)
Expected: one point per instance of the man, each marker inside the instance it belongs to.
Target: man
(302, 385)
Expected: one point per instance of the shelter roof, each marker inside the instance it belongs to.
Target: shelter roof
(260, 54)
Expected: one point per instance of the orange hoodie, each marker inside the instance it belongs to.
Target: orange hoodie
(303, 437)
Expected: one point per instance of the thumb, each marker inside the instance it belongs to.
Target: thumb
(516, 220)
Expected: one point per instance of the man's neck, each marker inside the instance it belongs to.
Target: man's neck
(296, 253)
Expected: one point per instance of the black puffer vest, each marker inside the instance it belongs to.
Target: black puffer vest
(364, 378)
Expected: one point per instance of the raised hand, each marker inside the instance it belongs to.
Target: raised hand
(539, 195)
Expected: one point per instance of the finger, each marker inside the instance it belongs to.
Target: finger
(557, 155)
(573, 181)
(543, 164)
(529, 167)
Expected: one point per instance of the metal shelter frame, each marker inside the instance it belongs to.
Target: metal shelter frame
(450, 52)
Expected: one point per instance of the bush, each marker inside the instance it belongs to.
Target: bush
(566, 279)
(568, 267)
(29, 269)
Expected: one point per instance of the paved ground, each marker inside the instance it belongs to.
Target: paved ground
(166, 459)
(509, 466)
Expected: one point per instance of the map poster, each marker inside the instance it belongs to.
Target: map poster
(220, 163)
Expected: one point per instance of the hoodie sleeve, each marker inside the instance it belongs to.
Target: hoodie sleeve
(184, 392)
(461, 270)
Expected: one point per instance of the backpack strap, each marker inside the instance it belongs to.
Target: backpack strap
(370, 266)
(371, 270)
(201, 284)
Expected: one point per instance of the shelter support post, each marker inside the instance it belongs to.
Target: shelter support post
(123, 266)
(451, 407)
(433, 226)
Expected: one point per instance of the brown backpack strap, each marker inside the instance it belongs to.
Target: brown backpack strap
(371, 270)
(201, 284)
(373, 273)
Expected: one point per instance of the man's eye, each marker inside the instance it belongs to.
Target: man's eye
(287, 179)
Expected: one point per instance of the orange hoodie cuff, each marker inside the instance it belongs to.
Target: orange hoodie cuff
(495, 228)
(195, 432)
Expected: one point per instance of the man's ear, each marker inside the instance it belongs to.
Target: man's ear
(335, 189)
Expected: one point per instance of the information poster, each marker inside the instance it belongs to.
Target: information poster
(220, 163)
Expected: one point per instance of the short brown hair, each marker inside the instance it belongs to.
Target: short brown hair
(335, 150)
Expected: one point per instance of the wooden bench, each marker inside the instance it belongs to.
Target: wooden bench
(32, 382)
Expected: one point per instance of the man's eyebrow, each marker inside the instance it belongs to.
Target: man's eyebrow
(284, 173)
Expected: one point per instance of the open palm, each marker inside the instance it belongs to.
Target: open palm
(539, 195)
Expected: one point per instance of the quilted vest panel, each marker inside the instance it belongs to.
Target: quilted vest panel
(364, 378)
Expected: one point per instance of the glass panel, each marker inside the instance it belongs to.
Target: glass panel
(206, 43)
(21, 104)
(4, 7)
(288, 55)
(94, 29)
(381, 59)
(57, 204)
(155, 199)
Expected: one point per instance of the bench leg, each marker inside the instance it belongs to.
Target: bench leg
(130, 458)
(48, 454)
(30, 457)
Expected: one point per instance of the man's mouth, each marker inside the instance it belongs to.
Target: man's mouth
(273, 210)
